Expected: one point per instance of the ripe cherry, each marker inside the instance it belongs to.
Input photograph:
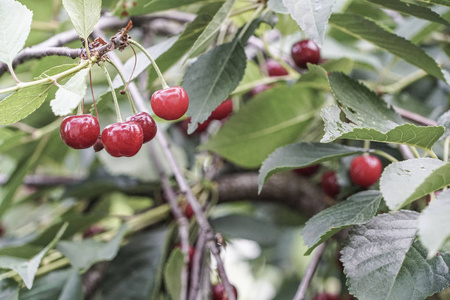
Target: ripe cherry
(305, 51)
(365, 170)
(307, 171)
(122, 139)
(219, 292)
(329, 183)
(98, 146)
(201, 127)
(274, 68)
(170, 103)
(79, 132)
(188, 211)
(259, 89)
(222, 111)
(437, 193)
(325, 296)
(147, 124)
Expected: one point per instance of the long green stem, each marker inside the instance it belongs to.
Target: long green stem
(414, 151)
(113, 92)
(249, 22)
(133, 107)
(158, 71)
(385, 155)
(401, 84)
(54, 78)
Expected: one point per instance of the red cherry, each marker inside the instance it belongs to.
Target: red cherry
(79, 132)
(274, 68)
(259, 89)
(147, 124)
(329, 183)
(365, 170)
(98, 146)
(325, 296)
(170, 103)
(122, 139)
(305, 51)
(437, 193)
(201, 127)
(222, 111)
(219, 292)
(188, 211)
(307, 171)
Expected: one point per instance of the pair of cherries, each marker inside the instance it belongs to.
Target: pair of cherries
(124, 138)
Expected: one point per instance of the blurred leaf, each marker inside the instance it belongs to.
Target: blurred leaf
(9, 138)
(405, 181)
(299, 155)
(311, 15)
(391, 264)
(145, 6)
(434, 227)
(73, 289)
(444, 120)
(271, 119)
(364, 28)
(27, 268)
(84, 254)
(356, 210)
(172, 273)
(46, 287)
(70, 95)
(411, 9)
(203, 41)
(15, 24)
(9, 289)
(277, 6)
(438, 2)
(84, 15)
(344, 65)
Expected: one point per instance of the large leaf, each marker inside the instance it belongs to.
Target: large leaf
(405, 181)
(434, 224)
(210, 31)
(411, 9)
(366, 29)
(356, 210)
(383, 261)
(47, 287)
(311, 15)
(15, 25)
(212, 78)
(84, 254)
(299, 155)
(84, 15)
(27, 268)
(73, 289)
(370, 118)
(68, 96)
(172, 273)
(438, 2)
(9, 289)
(20, 104)
(271, 119)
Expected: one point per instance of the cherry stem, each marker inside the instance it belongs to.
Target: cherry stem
(113, 92)
(134, 68)
(249, 22)
(133, 107)
(92, 91)
(385, 155)
(13, 74)
(158, 71)
(414, 151)
(80, 110)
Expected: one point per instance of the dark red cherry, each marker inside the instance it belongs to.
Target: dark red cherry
(274, 68)
(222, 111)
(307, 171)
(170, 103)
(98, 146)
(188, 211)
(305, 51)
(324, 296)
(329, 183)
(219, 292)
(122, 139)
(201, 127)
(147, 124)
(259, 89)
(79, 132)
(365, 170)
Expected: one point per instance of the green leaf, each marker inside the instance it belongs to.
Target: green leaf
(356, 210)
(411, 9)
(22, 103)
(84, 254)
(311, 15)
(68, 96)
(84, 15)
(73, 289)
(145, 6)
(277, 6)
(366, 29)
(299, 155)
(403, 182)
(27, 268)
(434, 224)
(370, 118)
(271, 119)
(9, 289)
(383, 261)
(172, 273)
(212, 78)
(438, 2)
(203, 41)
(15, 25)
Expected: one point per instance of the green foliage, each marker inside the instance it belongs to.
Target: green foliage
(84, 15)
(172, 273)
(70, 95)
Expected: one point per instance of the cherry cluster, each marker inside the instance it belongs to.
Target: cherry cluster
(124, 138)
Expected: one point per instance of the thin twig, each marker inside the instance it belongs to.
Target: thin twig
(415, 117)
(196, 269)
(309, 273)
